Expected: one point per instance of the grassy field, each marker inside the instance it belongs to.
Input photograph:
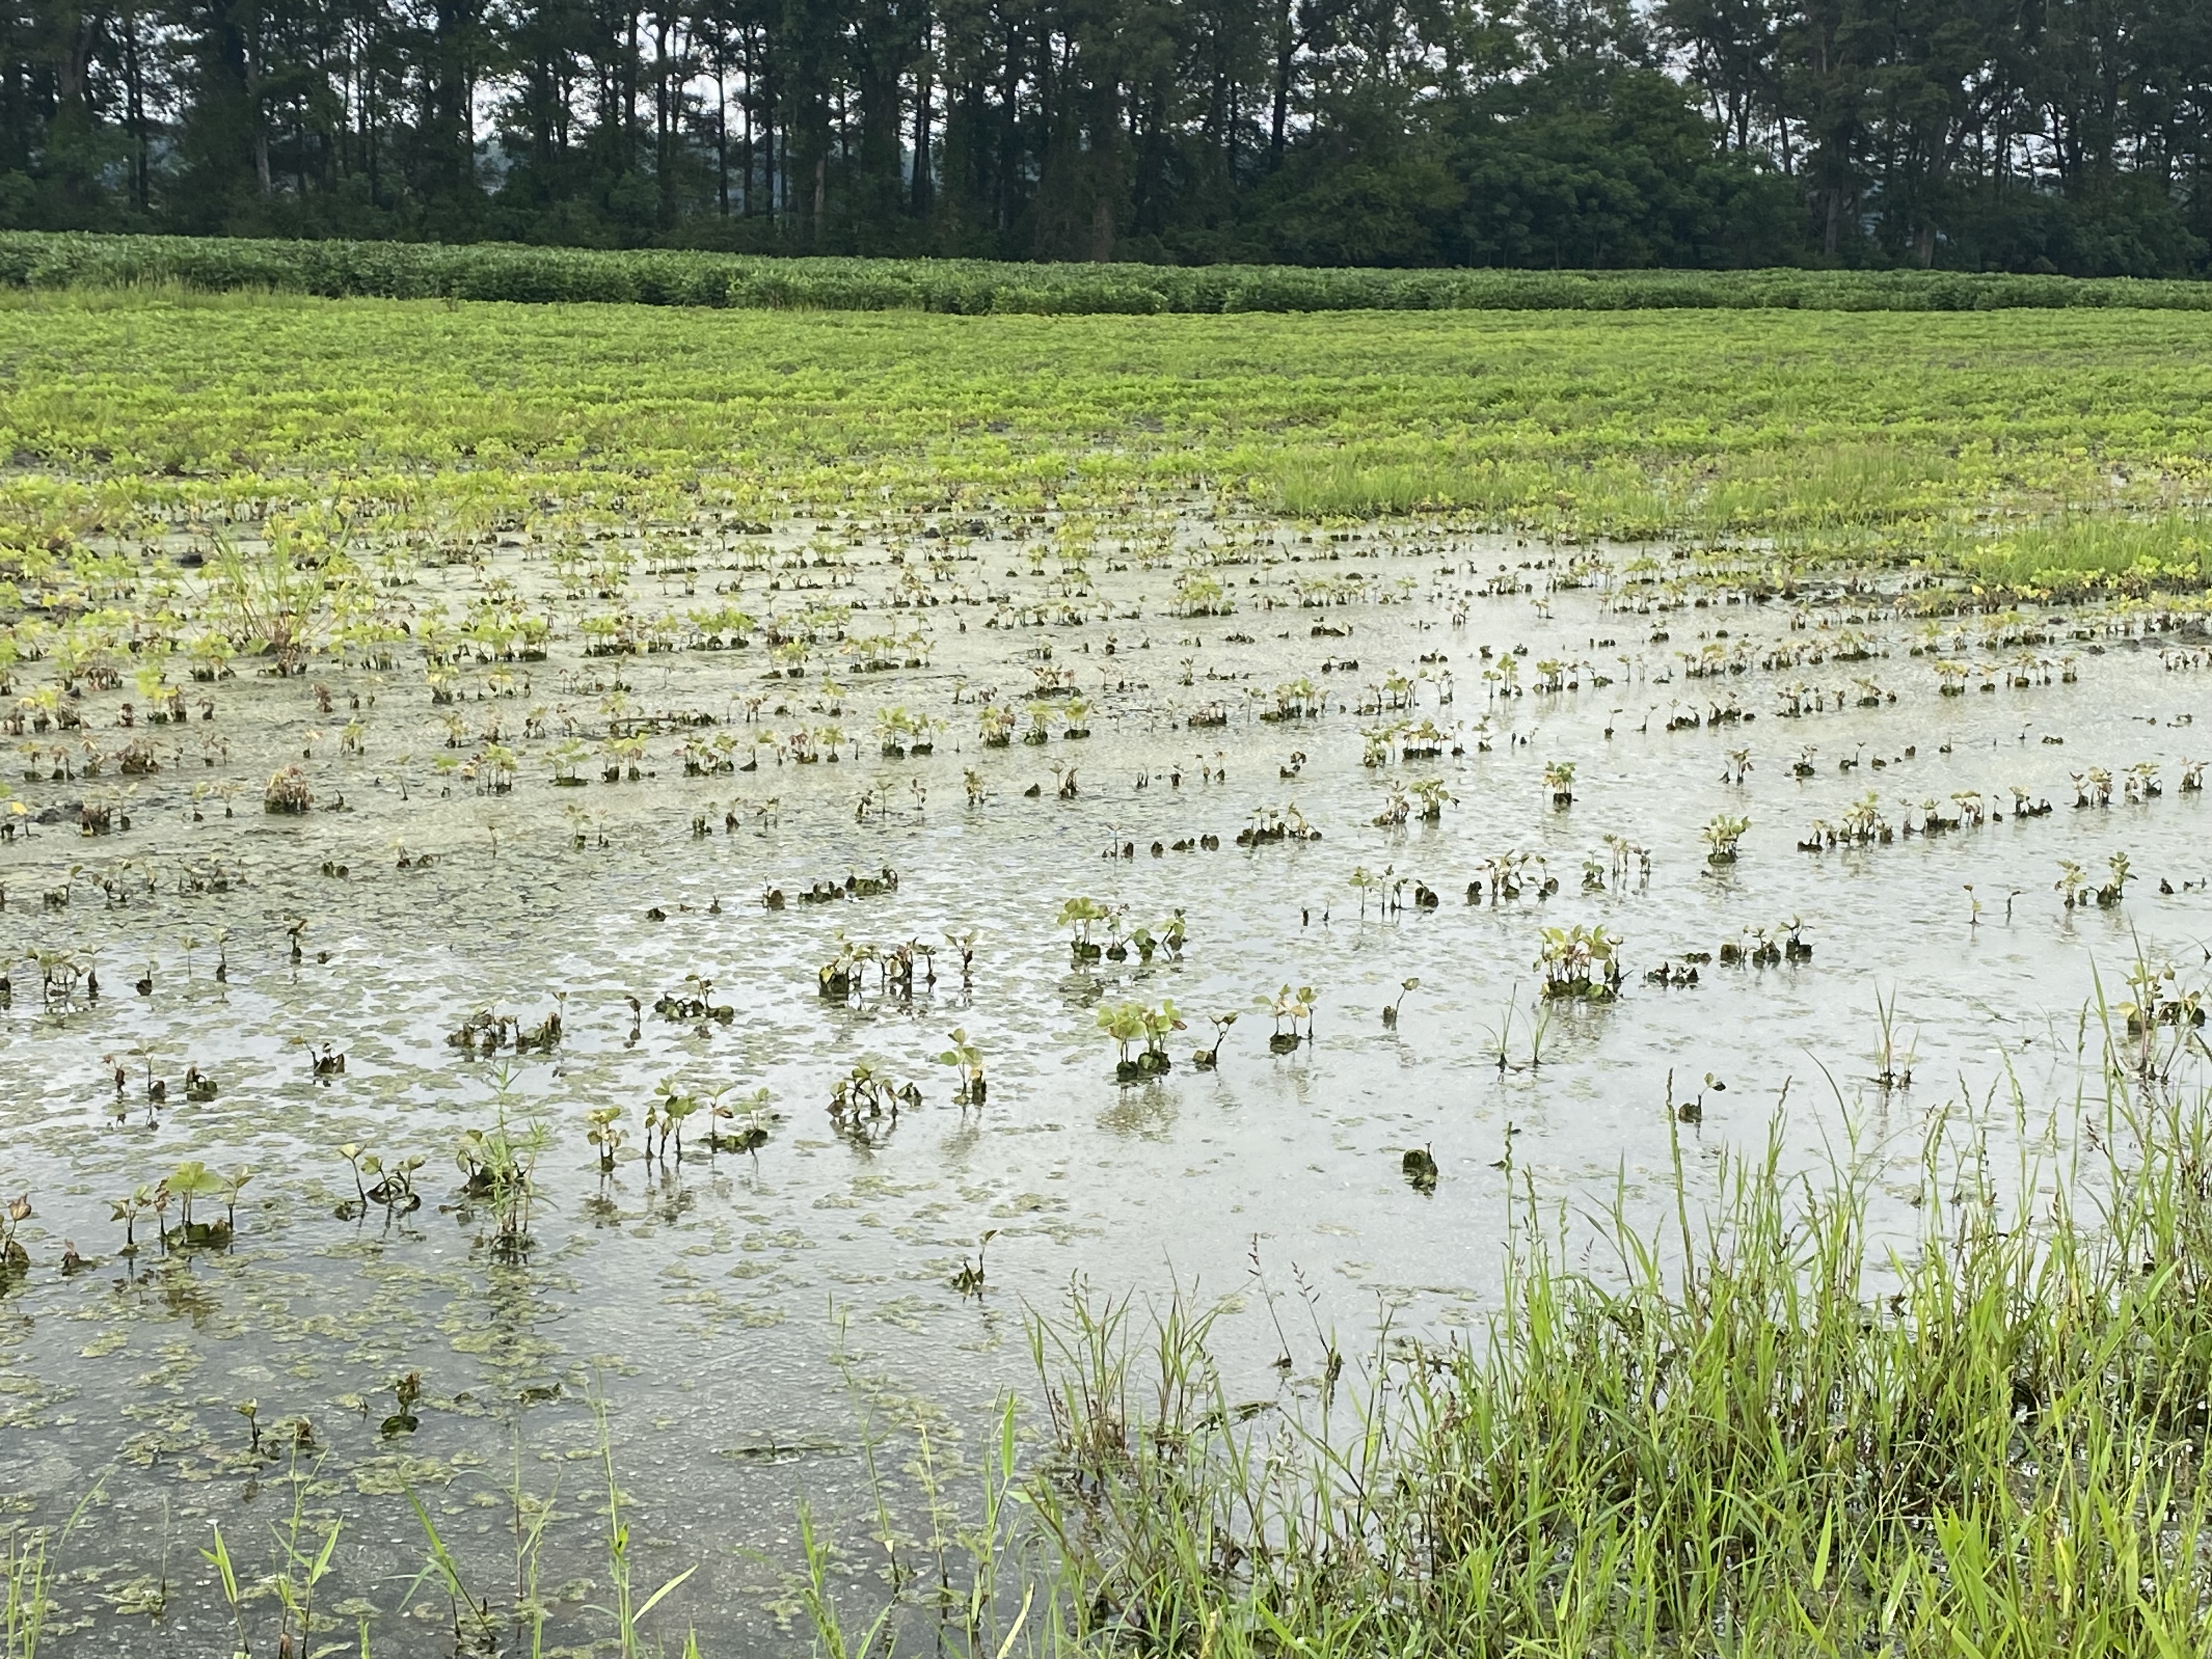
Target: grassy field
(2028, 447)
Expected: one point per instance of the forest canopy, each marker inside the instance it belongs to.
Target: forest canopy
(2049, 136)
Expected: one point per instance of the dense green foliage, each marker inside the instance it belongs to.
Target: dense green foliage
(405, 270)
(1987, 1442)
(2050, 136)
(2027, 445)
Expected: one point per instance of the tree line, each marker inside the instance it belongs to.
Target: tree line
(2069, 136)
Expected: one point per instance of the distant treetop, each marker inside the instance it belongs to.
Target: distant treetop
(2048, 137)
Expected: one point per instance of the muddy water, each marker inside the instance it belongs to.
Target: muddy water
(752, 1323)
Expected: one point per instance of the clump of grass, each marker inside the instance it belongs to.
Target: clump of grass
(26, 1578)
(1757, 1437)
(2083, 553)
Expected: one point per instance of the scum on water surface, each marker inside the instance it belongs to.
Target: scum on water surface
(592, 861)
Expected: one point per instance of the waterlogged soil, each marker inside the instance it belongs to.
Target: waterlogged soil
(763, 1326)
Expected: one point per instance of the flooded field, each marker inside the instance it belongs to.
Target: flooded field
(731, 836)
(1071, 986)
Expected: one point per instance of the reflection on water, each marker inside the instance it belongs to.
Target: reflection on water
(757, 1322)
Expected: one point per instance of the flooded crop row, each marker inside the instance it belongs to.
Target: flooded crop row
(578, 1046)
(723, 1026)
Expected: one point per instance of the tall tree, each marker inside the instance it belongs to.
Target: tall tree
(2071, 135)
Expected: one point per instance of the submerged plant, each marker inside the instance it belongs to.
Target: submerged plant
(1580, 962)
(1292, 1009)
(287, 792)
(968, 1279)
(866, 1093)
(376, 1180)
(2092, 788)
(2110, 892)
(968, 1059)
(2072, 879)
(1078, 915)
(696, 1002)
(1892, 1060)
(1131, 1023)
(1207, 1059)
(1390, 1008)
(739, 1125)
(14, 1258)
(606, 1134)
(1723, 834)
(965, 944)
(2157, 997)
(1419, 1167)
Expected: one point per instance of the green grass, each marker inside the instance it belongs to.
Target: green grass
(1987, 1444)
(2085, 552)
(31, 1561)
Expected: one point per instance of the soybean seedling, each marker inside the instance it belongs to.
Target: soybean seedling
(968, 1059)
(673, 1111)
(665, 1113)
(1390, 1008)
(14, 1258)
(1722, 836)
(968, 1280)
(1290, 1008)
(1205, 1060)
(606, 1134)
(353, 1152)
(127, 1210)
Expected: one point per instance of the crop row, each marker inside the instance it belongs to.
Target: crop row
(2046, 450)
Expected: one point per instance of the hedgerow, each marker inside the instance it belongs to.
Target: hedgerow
(539, 275)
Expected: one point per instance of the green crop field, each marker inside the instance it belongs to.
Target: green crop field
(2034, 447)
